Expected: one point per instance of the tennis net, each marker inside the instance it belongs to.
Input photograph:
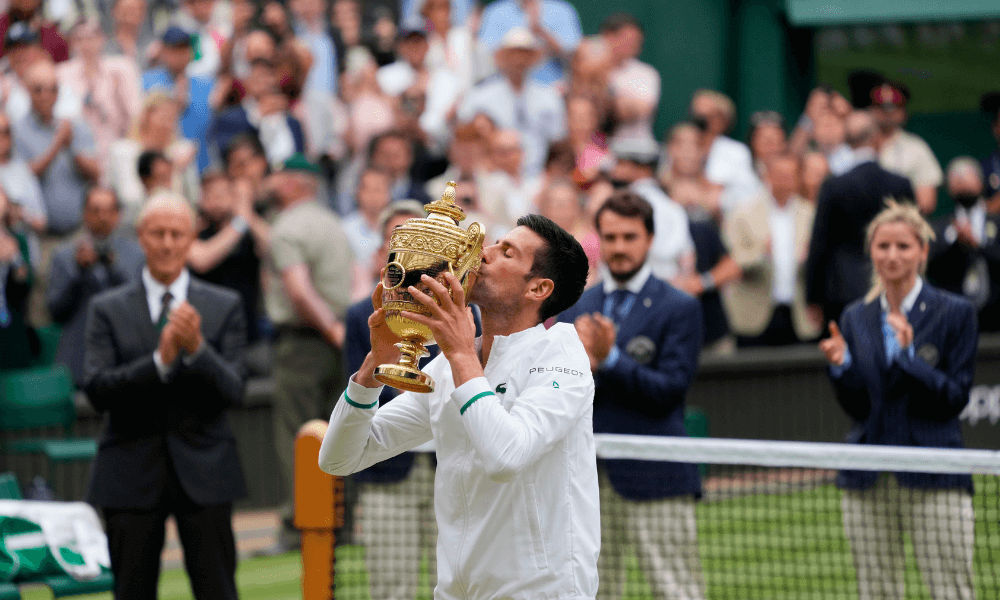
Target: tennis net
(773, 520)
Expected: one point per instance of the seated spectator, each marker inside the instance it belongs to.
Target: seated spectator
(965, 254)
(191, 92)
(672, 252)
(766, 139)
(362, 225)
(512, 101)
(684, 175)
(634, 85)
(96, 259)
(30, 12)
(769, 240)
(108, 87)
(561, 202)
(131, 34)
(231, 239)
(264, 112)
(815, 171)
(728, 162)
(16, 278)
(155, 130)
(588, 142)
(392, 153)
(20, 183)
(554, 22)
(509, 192)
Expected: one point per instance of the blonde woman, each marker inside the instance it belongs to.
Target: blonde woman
(902, 363)
(157, 128)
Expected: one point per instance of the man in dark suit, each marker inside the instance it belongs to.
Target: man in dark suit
(837, 271)
(965, 254)
(642, 374)
(94, 260)
(163, 359)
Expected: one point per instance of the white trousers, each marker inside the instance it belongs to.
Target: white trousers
(396, 525)
(664, 536)
(941, 524)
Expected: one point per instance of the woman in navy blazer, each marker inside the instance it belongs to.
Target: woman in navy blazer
(902, 370)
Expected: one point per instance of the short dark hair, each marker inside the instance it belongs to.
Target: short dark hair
(626, 203)
(146, 161)
(562, 260)
(620, 20)
(247, 139)
(91, 190)
(391, 134)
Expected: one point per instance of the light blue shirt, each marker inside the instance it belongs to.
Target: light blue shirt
(409, 11)
(889, 339)
(197, 115)
(558, 18)
(322, 75)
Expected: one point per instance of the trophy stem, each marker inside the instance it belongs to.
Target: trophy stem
(405, 374)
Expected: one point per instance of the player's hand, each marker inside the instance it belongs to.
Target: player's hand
(902, 327)
(834, 347)
(383, 340)
(188, 324)
(450, 319)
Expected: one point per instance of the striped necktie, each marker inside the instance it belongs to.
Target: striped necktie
(161, 322)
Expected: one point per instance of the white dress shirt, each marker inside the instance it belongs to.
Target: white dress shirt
(154, 298)
(729, 165)
(781, 221)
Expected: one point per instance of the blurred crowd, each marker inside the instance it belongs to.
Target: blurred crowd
(107, 103)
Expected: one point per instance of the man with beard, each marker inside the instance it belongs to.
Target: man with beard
(231, 238)
(515, 495)
(642, 337)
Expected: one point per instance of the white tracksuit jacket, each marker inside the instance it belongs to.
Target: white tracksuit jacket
(515, 492)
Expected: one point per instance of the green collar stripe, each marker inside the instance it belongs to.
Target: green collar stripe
(473, 399)
(356, 405)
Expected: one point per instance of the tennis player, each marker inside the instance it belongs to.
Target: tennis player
(516, 496)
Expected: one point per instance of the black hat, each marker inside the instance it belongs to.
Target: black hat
(861, 84)
(20, 34)
(990, 103)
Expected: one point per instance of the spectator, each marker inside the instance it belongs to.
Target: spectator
(766, 139)
(108, 87)
(815, 171)
(362, 225)
(210, 25)
(590, 77)
(16, 278)
(395, 214)
(19, 183)
(554, 22)
(821, 126)
(155, 172)
(392, 153)
(345, 18)
(642, 337)
(509, 191)
(292, 57)
(836, 270)
(684, 174)
(414, 12)
(990, 104)
(714, 270)
(246, 44)
(132, 34)
(61, 154)
(244, 160)
(965, 254)
(181, 342)
(467, 159)
(190, 91)
(307, 292)
(396, 496)
(902, 152)
(634, 85)
(512, 101)
(672, 251)
(769, 241)
(231, 239)
(310, 28)
(902, 370)
(561, 202)
(156, 130)
(451, 43)
(24, 51)
(29, 12)
(728, 162)
(829, 135)
(589, 144)
(94, 260)
(264, 112)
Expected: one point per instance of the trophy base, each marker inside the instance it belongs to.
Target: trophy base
(404, 378)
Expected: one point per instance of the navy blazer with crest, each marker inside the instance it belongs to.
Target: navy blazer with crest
(914, 401)
(155, 428)
(644, 392)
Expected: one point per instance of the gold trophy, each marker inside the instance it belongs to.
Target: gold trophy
(433, 246)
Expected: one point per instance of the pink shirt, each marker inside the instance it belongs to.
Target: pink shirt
(111, 99)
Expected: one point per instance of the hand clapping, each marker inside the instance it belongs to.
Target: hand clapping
(182, 332)
(834, 347)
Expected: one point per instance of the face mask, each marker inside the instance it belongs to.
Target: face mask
(966, 199)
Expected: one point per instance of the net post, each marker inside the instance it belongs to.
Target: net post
(318, 511)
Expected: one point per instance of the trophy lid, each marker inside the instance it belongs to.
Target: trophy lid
(445, 210)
